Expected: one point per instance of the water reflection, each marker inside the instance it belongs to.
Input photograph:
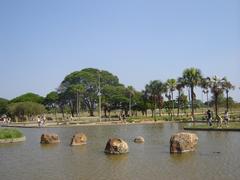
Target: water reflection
(116, 159)
(180, 157)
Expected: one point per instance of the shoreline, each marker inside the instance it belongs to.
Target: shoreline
(212, 129)
(75, 124)
(106, 123)
(12, 140)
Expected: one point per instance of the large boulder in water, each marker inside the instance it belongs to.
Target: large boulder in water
(79, 139)
(139, 139)
(49, 138)
(116, 146)
(183, 142)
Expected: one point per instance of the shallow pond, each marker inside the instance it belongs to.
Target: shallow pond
(217, 155)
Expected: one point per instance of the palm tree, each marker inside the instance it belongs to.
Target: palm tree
(192, 77)
(205, 85)
(171, 87)
(130, 91)
(227, 86)
(154, 91)
(217, 88)
(179, 87)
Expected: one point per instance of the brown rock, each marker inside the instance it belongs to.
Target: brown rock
(49, 138)
(116, 146)
(79, 139)
(139, 139)
(183, 142)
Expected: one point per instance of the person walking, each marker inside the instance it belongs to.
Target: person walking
(226, 118)
(219, 121)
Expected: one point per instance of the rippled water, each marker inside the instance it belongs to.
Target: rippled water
(217, 156)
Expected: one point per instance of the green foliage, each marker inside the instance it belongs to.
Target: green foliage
(171, 84)
(217, 86)
(51, 100)
(115, 97)
(28, 97)
(140, 102)
(183, 101)
(154, 91)
(86, 84)
(21, 109)
(3, 106)
(221, 101)
(192, 77)
(8, 133)
(198, 104)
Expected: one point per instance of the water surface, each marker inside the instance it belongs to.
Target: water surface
(217, 155)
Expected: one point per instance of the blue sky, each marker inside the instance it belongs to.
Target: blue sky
(41, 41)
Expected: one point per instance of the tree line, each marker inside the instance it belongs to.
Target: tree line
(81, 91)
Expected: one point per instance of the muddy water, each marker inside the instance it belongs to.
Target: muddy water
(217, 155)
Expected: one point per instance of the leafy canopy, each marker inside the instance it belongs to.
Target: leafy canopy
(30, 97)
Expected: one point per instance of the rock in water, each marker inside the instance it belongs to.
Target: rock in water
(139, 139)
(49, 138)
(79, 139)
(183, 142)
(116, 146)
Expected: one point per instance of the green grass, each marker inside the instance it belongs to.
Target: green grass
(8, 133)
(233, 125)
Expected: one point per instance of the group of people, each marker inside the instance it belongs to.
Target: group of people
(122, 117)
(219, 119)
(41, 120)
(5, 119)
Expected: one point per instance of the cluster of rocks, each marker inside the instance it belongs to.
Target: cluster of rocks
(179, 143)
(52, 138)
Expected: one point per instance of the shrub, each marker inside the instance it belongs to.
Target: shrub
(22, 109)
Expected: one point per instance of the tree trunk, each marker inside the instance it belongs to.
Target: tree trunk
(55, 113)
(227, 100)
(192, 99)
(77, 104)
(72, 108)
(109, 114)
(155, 107)
(91, 109)
(207, 100)
(178, 103)
(172, 105)
(91, 112)
(216, 105)
(105, 112)
(130, 105)
(62, 109)
(126, 112)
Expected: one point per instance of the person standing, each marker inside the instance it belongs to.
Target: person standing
(38, 121)
(209, 117)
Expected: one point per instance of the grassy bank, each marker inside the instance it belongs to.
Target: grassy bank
(230, 126)
(8, 133)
